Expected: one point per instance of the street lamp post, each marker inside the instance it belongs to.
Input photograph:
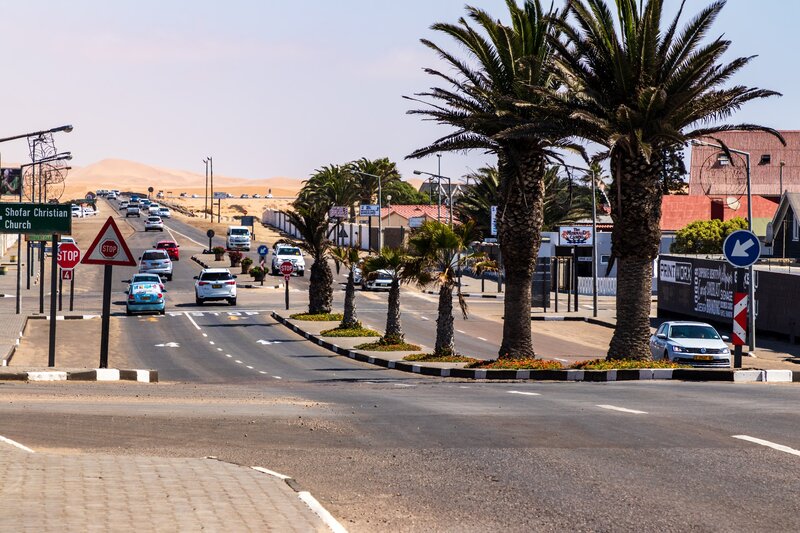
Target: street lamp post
(205, 198)
(439, 179)
(751, 289)
(380, 208)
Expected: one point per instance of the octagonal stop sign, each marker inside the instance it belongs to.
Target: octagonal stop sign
(287, 268)
(109, 249)
(68, 255)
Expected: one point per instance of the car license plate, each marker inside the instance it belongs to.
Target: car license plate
(216, 285)
(703, 358)
(146, 298)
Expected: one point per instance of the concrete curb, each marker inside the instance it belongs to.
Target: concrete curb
(682, 374)
(64, 317)
(98, 374)
(500, 296)
(13, 348)
(576, 318)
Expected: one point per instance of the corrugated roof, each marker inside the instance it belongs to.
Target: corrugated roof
(679, 210)
(408, 211)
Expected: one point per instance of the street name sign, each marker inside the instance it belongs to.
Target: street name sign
(109, 248)
(367, 210)
(338, 211)
(741, 248)
(35, 218)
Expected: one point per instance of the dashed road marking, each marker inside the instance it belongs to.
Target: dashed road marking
(622, 409)
(261, 372)
(482, 339)
(228, 355)
(768, 444)
(524, 393)
(424, 318)
(277, 377)
(250, 367)
(16, 444)
(461, 331)
(219, 349)
(238, 362)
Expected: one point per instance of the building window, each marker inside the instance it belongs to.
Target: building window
(604, 259)
(766, 159)
(723, 160)
(795, 229)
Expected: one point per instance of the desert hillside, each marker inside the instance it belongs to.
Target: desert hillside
(130, 175)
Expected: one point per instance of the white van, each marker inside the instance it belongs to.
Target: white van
(238, 238)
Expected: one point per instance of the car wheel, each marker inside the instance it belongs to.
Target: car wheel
(274, 271)
(302, 273)
(665, 357)
(198, 300)
(128, 312)
(162, 311)
(232, 301)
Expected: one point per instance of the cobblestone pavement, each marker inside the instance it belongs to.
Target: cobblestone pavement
(50, 492)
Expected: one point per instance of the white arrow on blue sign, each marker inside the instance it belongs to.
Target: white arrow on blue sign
(262, 250)
(741, 248)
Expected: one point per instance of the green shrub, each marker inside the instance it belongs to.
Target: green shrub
(517, 364)
(624, 364)
(431, 358)
(322, 317)
(350, 332)
(386, 347)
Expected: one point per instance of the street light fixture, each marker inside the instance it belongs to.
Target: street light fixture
(751, 289)
(439, 179)
(380, 207)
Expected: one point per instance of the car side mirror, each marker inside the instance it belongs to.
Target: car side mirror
(196, 277)
(126, 281)
(126, 291)
(726, 338)
(234, 275)
(662, 336)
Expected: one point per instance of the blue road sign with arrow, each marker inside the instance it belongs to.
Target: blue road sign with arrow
(742, 248)
(262, 250)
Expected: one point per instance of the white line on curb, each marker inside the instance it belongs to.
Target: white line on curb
(524, 393)
(192, 321)
(779, 447)
(622, 409)
(16, 444)
(482, 339)
(270, 472)
(323, 513)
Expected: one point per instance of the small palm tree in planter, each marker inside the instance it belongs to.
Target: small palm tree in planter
(219, 253)
(246, 264)
(235, 257)
(258, 273)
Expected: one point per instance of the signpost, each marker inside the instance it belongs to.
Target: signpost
(742, 249)
(210, 235)
(262, 257)
(368, 210)
(286, 268)
(108, 249)
(68, 257)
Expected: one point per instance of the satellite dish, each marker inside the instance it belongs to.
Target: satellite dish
(733, 202)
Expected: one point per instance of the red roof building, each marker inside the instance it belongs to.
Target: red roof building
(712, 173)
(679, 210)
(400, 215)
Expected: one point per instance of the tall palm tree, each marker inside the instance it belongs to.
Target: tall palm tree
(349, 258)
(330, 185)
(367, 183)
(504, 65)
(311, 221)
(404, 269)
(476, 201)
(443, 251)
(638, 89)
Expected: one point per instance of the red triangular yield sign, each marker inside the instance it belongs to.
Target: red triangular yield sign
(109, 248)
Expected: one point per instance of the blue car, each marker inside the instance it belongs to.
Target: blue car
(145, 297)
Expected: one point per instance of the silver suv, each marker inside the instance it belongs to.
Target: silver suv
(215, 284)
(156, 262)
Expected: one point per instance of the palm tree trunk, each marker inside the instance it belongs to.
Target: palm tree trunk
(320, 289)
(519, 226)
(349, 320)
(636, 211)
(445, 342)
(394, 330)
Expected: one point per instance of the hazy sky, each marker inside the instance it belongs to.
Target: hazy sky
(277, 87)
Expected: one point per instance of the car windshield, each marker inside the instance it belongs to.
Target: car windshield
(384, 275)
(154, 256)
(154, 219)
(148, 278)
(693, 332)
(216, 276)
(165, 245)
(289, 251)
(240, 231)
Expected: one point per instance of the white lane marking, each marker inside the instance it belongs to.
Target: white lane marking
(261, 372)
(277, 377)
(228, 355)
(205, 334)
(323, 513)
(193, 322)
(170, 233)
(186, 236)
(210, 342)
(461, 331)
(168, 345)
(219, 349)
(16, 444)
(424, 318)
(270, 472)
(524, 393)
(562, 360)
(250, 367)
(482, 339)
(768, 444)
(238, 361)
(622, 409)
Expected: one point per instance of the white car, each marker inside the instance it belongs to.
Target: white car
(164, 212)
(156, 262)
(153, 208)
(215, 284)
(77, 211)
(89, 211)
(377, 281)
(153, 223)
(692, 343)
(292, 254)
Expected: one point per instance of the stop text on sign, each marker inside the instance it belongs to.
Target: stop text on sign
(109, 249)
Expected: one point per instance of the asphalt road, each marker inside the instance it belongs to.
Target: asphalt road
(391, 451)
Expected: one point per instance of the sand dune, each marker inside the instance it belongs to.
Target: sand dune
(130, 175)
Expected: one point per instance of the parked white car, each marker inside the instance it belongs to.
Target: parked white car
(693, 343)
(377, 281)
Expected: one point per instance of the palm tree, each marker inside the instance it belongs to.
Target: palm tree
(638, 90)
(329, 186)
(476, 201)
(404, 269)
(367, 183)
(349, 258)
(443, 251)
(504, 65)
(311, 221)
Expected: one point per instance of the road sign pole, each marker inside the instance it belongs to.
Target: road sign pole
(106, 315)
(60, 291)
(286, 286)
(51, 359)
(740, 306)
(41, 277)
(71, 290)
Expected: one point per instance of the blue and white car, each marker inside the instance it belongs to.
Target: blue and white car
(145, 297)
(692, 343)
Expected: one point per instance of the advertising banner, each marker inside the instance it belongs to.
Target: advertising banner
(575, 236)
(11, 181)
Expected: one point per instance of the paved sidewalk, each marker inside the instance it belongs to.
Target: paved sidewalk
(49, 492)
